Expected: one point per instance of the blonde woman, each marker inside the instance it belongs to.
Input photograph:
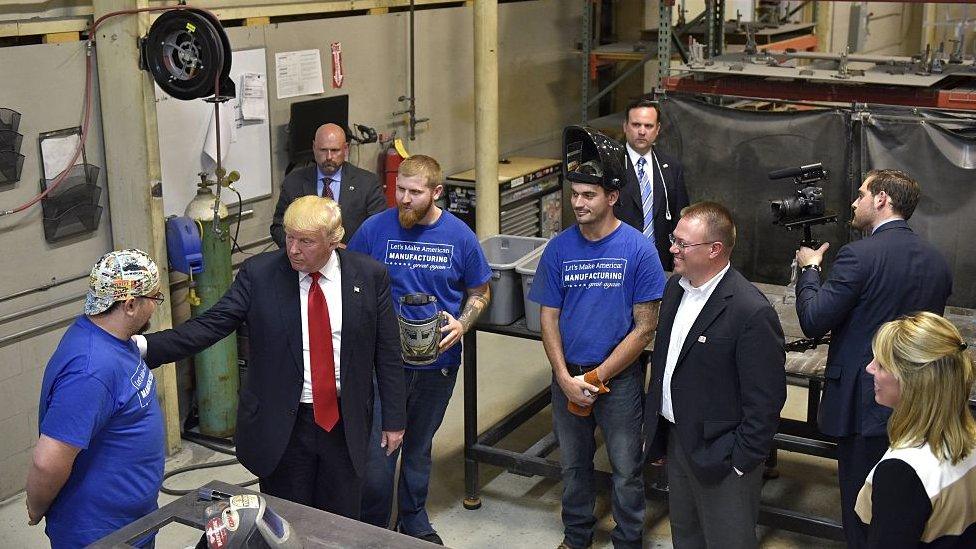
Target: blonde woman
(923, 491)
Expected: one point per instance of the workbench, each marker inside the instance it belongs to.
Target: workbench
(802, 436)
(314, 527)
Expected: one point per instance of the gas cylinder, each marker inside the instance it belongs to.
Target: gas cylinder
(217, 380)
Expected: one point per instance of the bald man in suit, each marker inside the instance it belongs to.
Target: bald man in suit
(356, 190)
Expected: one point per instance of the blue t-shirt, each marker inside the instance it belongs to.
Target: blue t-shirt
(596, 285)
(99, 395)
(444, 259)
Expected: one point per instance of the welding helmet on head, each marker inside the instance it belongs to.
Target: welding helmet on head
(591, 157)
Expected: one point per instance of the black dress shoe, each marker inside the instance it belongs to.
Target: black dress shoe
(432, 538)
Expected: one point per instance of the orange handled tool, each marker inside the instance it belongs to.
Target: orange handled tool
(593, 379)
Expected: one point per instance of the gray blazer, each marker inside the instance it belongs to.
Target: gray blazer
(360, 197)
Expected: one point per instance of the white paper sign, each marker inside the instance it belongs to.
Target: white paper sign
(254, 104)
(298, 73)
(57, 153)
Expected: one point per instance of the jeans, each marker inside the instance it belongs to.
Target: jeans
(428, 393)
(618, 414)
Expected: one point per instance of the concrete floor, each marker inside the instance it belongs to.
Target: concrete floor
(516, 511)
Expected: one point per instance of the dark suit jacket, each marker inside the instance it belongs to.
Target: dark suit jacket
(359, 198)
(265, 294)
(729, 384)
(873, 280)
(629, 210)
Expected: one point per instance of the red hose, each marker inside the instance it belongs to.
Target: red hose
(88, 100)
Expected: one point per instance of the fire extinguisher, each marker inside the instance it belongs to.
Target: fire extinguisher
(390, 160)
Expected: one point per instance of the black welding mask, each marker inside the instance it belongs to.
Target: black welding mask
(593, 158)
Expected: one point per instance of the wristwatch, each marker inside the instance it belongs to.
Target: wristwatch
(814, 266)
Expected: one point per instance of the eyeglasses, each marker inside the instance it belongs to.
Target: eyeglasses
(158, 298)
(682, 245)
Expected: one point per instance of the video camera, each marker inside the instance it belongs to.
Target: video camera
(807, 207)
(809, 198)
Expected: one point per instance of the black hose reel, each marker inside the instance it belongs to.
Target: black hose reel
(188, 54)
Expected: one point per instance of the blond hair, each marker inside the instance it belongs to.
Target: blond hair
(927, 355)
(315, 214)
(423, 165)
(717, 219)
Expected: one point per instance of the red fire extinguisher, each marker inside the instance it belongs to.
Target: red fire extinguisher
(390, 160)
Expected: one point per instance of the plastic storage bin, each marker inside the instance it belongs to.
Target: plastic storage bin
(503, 253)
(526, 270)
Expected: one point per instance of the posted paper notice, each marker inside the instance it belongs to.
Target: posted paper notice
(298, 73)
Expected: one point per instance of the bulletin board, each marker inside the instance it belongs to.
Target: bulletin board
(183, 127)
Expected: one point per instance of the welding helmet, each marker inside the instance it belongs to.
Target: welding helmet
(591, 157)
(246, 522)
(420, 334)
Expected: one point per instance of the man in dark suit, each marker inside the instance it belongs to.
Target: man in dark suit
(717, 387)
(890, 273)
(654, 193)
(356, 190)
(321, 323)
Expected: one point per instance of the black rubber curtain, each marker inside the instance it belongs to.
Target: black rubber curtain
(727, 154)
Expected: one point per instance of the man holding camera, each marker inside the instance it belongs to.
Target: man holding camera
(891, 272)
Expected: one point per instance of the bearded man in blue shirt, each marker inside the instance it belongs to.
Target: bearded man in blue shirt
(432, 258)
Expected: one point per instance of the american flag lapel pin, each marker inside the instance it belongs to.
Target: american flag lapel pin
(701, 339)
(355, 289)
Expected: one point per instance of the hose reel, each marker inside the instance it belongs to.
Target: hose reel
(189, 56)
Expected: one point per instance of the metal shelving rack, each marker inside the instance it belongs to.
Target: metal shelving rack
(714, 11)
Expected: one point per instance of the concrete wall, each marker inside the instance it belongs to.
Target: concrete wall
(45, 85)
(20, 10)
(539, 93)
(892, 29)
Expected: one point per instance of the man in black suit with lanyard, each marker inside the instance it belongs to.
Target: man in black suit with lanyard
(356, 190)
(654, 193)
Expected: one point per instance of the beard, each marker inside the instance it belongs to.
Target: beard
(862, 222)
(411, 216)
(329, 167)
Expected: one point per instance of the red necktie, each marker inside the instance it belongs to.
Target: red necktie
(327, 188)
(321, 359)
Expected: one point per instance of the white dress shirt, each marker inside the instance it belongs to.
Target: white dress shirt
(331, 284)
(648, 167)
(692, 303)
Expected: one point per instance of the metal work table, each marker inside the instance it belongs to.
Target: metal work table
(797, 436)
(314, 527)
(801, 436)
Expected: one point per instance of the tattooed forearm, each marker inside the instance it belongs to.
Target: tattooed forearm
(478, 300)
(645, 320)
